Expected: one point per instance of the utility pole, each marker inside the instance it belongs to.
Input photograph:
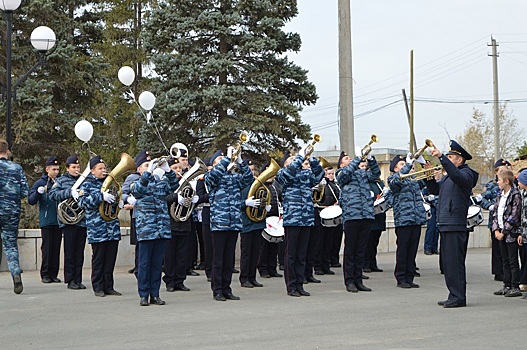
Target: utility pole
(412, 136)
(496, 98)
(346, 127)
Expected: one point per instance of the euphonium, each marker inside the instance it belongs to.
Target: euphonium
(68, 211)
(367, 149)
(259, 191)
(318, 194)
(237, 149)
(419, 153)
(109, 211)
(310, 148)
(181, 212)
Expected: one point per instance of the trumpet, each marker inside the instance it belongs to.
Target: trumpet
(419, 153)
(244, 137)
(367, 149)
(425, 174)
(175, 152)
(310, 148)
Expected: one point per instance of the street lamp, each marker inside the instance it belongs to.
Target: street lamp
(42, 39)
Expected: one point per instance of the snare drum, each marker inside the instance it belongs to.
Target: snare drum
(427, 210)
(474, 216)
(381, 205)
(274, 231)
(331, 216)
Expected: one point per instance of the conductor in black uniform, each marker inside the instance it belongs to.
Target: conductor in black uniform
(454, 191)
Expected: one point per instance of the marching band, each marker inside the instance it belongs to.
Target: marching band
(304, 205)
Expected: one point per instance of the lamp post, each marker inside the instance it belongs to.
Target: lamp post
(42, 39)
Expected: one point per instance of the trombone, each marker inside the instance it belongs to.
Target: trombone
(425, 174)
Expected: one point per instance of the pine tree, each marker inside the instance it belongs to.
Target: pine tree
(220, 68)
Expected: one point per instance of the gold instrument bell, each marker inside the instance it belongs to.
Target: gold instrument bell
(367, 149)
(258, 190)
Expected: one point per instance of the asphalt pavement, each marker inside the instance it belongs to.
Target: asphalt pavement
(49, 316)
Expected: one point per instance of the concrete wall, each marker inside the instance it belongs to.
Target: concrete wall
(30, 256)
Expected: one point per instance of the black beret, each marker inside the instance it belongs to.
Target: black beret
(141, 157)
(216, 155)
(94, 161)
(342, 155)
(394, 162)
(207, 161)
(287, 154)
(501, 162)
(172, 161)
(52, 161)
(455, 148)
(72, 160)
(183, 152)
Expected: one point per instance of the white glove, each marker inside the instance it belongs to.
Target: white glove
(409, 159)
(75, 194)
(385, 190)
(230, 151)
(165, 167)
(358, 151)
(302, 152)
(108, 197)
(251, 202)
(323, 182)
(421, 160)
(121, 204)
(268, 208)
(180, 200)
(131, 200)
(239, 159)
(151, 167)
(158, 173)
(431, 197)
(478, 197)
(372, 194)
(41, 189)
(491, 208)
(195, 199)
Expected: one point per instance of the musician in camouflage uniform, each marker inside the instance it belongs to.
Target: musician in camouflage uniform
(152, 227)
(13, 188)
(356, 201)
(297, 177)
(49, 226)
(409, 214)
(104, 236)
(225, 218)
(74, 235)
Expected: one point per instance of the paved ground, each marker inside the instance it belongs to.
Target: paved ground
(52, 317)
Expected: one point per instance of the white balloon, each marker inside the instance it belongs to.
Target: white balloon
(84, 130)
(147, 100)
(126, 75)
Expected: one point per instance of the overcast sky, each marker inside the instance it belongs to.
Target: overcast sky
(451, 62)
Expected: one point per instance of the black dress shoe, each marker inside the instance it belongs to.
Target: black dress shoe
(336, 265)
(18, 287)
(281, 267)
(144, 301)
(200, 266)
(312, 279)
(112, 292)
(132, 270)
(364, 277)
(182, 287)
(276, 274)
(219, 297)
(293, 293)
(442, 302)
(414, 285)
(319, 272)
(304, 293)
(428, 252)
(417, 274)
(81, 286)
(362, 287)
(328, 272)
(376, 269)
(209, 279)
(171, 289)
(73, 285)
(55, 280)
(157, 301)
(230, 296)
(247, 284)
(99, 293)
(192, 273)
(450, 305)
(256, 283)
(46, 280)
(404, 285)
(367, 270)
(265, 275)
(352, 288)
(235, 270)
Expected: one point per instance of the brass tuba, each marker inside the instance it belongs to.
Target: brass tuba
(259, 191)
(109, 211)
(181, 212)
(367, 149)
(68, 211)
(318, 193)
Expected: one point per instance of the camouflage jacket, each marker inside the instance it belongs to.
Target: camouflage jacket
(61, 191)
(130, 179)
(98, 229)
(511, 215)
(225, 195)
(151, 211)
(524, 215)
(489, 197)
(408, 209)
(379, 223)
(356, 199)
(47, 206)
(13, 187)
(296, 191)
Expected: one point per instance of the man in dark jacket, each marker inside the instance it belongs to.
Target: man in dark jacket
(49, 225)
(454, 191)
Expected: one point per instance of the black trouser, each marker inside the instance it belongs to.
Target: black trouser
(281, 252)
(207, 246)
(323, 249)
(250, 249)
(296, 243)
(312, 250)
(199, 232)
(497, 263)
(511, 267)
(355, 238)
(268, 256)
(407, 245)
(523, 258)
(74, 244)
(224, 246)
(336, 244)
(370, 259)
(454, 253)
(176, 259)
(192, 256)
(50, 248)
(102, 265)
